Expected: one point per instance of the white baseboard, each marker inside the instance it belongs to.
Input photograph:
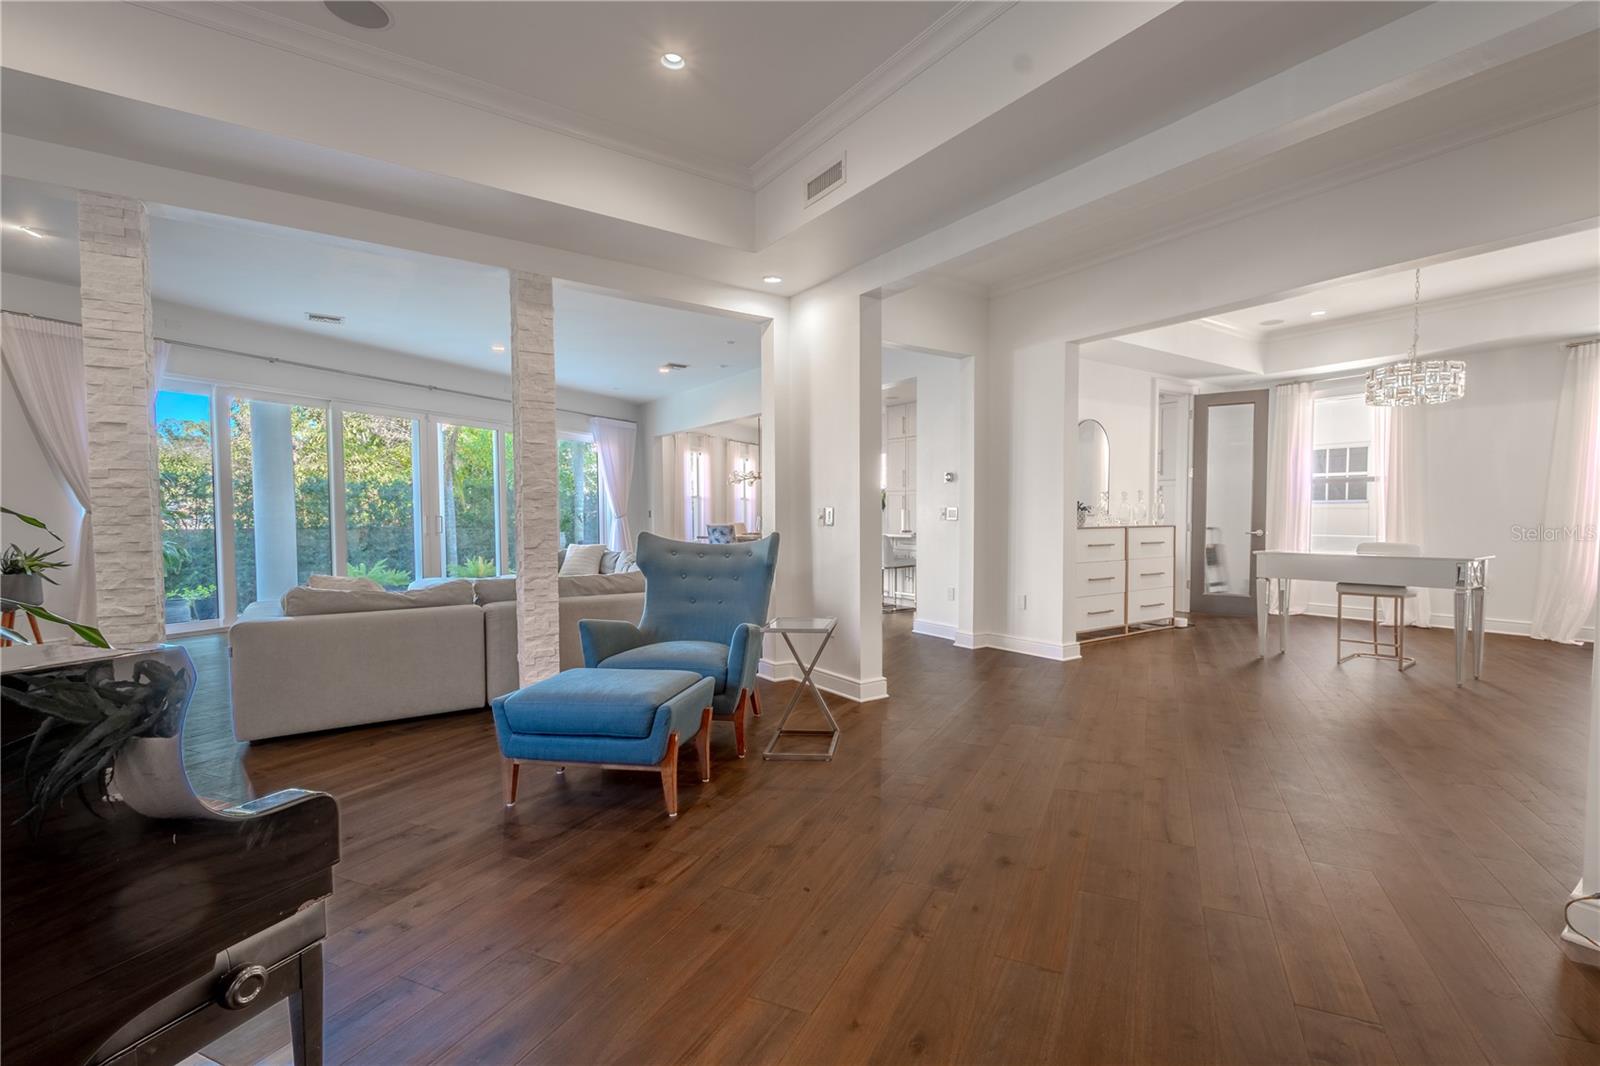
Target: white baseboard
(1039, 649)
(851, 688)
(1511, 627)
(934, 629)
(778, 670)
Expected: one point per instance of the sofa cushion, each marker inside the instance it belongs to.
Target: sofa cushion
(600, 584)
(595, 703)
(618, 563)
(301, 600)
(344, 584)
(495, 589)
(704, 657)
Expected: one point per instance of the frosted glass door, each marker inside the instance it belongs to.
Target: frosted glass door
(1230, 496)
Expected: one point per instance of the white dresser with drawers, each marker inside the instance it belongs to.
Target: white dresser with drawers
(1126, 581)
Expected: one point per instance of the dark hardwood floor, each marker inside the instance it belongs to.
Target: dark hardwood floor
(1169, 852)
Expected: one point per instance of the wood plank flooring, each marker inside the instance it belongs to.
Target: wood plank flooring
(1169, 852)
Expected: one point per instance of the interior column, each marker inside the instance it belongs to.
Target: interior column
(533, 422)
(119, 374)
(272, 494)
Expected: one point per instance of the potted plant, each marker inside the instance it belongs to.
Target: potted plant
(201, 600)
(23, 573)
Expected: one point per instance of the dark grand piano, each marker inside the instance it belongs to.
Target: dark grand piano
(139, 928)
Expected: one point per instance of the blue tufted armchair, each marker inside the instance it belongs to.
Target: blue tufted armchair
(704, 606)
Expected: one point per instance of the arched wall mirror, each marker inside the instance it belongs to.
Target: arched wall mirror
(1094, 462)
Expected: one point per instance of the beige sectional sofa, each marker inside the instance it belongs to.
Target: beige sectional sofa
(299, 673)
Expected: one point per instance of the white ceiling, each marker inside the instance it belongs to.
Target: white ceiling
(422, 305)
(756, 72)
(1517, 265)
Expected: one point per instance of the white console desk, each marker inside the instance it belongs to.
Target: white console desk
(1463, 574)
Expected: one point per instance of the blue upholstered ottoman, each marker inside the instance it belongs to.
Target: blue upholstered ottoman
(617, 719)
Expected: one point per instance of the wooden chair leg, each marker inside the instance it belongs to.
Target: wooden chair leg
(305, 1010)
(738, 725)
(755, 703)
(669, 775)
(702, 745)
(508, 773)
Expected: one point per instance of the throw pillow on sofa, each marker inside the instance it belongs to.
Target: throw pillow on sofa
(582, 559)
(303, 600)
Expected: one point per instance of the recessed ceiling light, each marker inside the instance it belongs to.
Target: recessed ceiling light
(1272, 321)
(773, 279)
(1318, 314)
(664, 370)
(362, 14)
(667, 368)
(673, 61)
(497, 347)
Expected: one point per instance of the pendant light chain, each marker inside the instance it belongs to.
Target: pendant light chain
(1416, 314)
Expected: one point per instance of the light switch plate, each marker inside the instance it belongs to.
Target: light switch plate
(825, 516)
(950, 514)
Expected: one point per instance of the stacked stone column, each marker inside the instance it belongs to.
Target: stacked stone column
(533, 421)
(119, 373)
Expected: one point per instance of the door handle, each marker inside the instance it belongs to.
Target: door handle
(1258, 532)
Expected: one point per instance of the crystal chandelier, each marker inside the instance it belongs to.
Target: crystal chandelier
(741, 477)
(1414, 381)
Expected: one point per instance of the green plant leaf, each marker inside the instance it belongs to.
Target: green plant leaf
(88, 633)
(27, 520)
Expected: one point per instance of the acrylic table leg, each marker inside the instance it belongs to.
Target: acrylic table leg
(1283, 616)
(1263, 593)
(1463, 616)
(1477, 632)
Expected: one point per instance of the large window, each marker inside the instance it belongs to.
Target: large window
(382, 541)
(184, 450)
(467, 501)
(1344, 483)
(582, 515)
(696, 492)
(282, 530)
(259, 492)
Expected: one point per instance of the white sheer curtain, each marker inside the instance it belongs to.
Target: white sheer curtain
(46, 364)
(1568, 568)
(1400, 444)
(615, 441)
(1289, 479)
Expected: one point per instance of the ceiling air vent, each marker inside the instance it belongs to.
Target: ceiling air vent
(327, 320)
(831, 178)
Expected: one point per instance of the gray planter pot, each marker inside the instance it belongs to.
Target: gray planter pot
(177, 610)
(22, 588)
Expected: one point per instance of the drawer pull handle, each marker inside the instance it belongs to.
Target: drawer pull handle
(1113, 577)
(1142, 606)
(1152, 573)
(1108, 610)
(1151, 543)
(1106, 544)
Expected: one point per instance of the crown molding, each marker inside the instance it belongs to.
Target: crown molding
(308, 42)
(946, 34)
(275, 31)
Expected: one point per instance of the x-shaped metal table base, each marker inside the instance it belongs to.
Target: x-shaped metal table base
(794, 700)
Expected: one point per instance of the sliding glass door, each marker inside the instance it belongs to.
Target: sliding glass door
(186, 469)
(282, 518)
(382, 516)
(468, 523)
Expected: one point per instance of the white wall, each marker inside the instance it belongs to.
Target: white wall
(941, 429)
